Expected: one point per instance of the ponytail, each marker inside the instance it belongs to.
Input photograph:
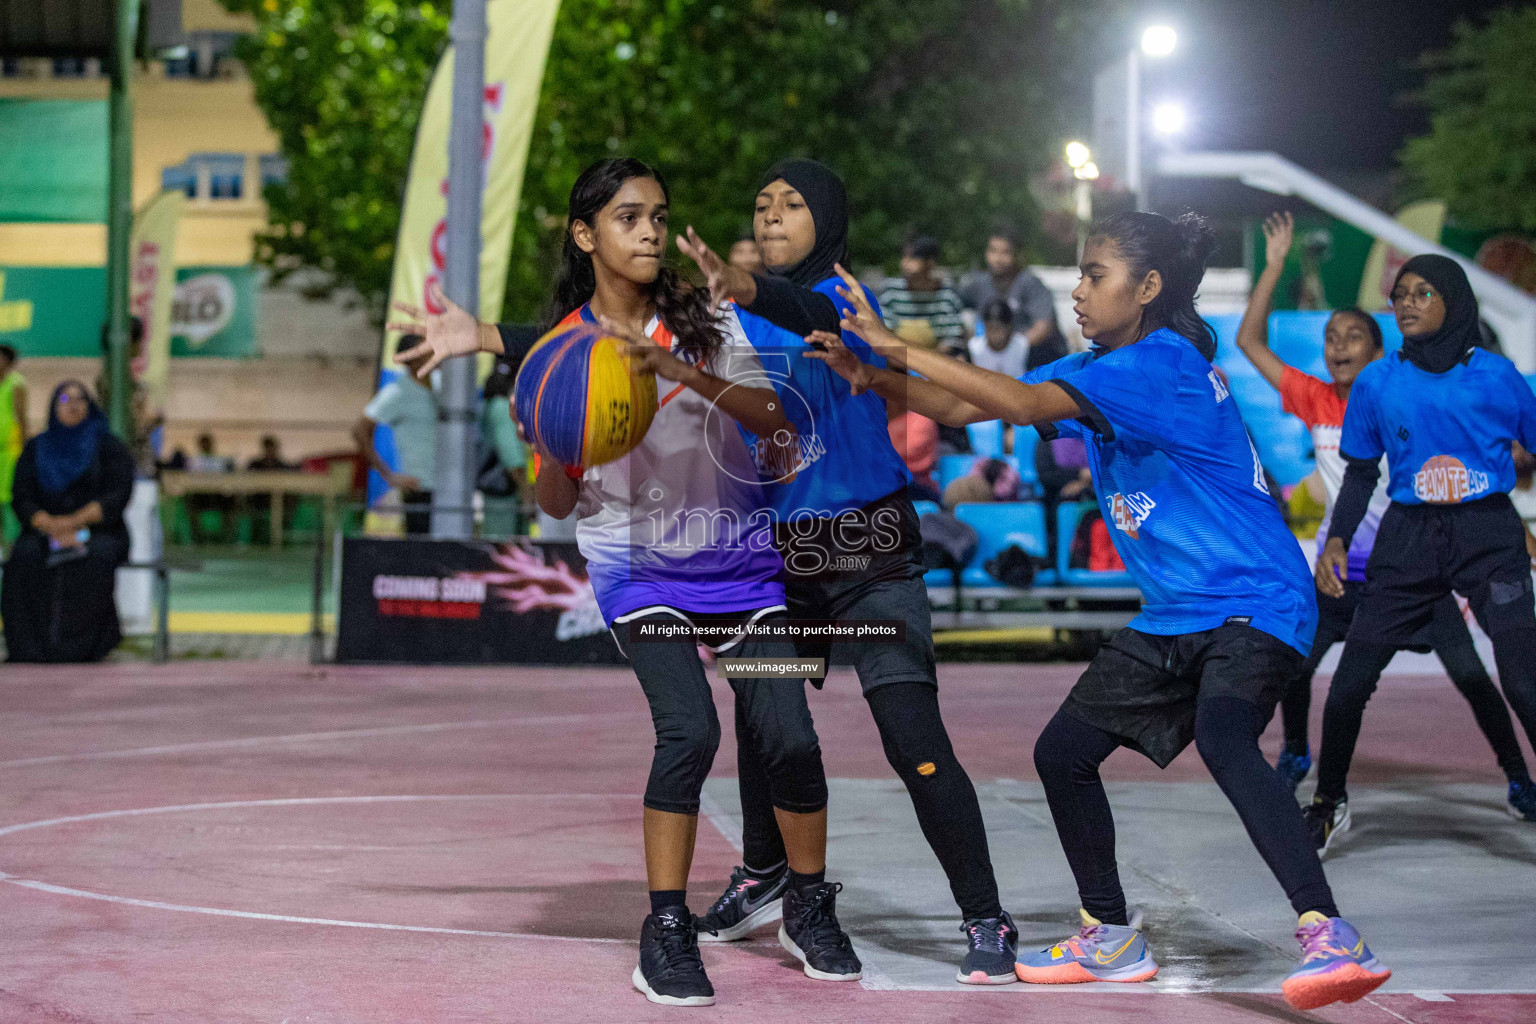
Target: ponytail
(1179, 251)
(684, 309)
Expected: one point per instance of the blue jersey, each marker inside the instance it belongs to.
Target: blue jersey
(1178, 478)
(1445, 435)
(846, 458)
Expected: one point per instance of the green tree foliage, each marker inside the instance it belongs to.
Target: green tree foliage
(341, 83)
(937, 112)
(1480, 153)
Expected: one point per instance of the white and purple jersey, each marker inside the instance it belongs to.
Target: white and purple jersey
(679, 522)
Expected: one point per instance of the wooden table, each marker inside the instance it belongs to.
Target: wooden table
(276, 483)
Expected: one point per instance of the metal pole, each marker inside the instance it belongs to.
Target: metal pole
(454, 487)
(120, 214)
(1133, 127)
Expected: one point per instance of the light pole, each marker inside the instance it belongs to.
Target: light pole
(1085, 171)
(1156, 41)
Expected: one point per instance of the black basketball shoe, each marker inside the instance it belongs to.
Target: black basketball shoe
(670, 969)
(994, 949)
(746, 905)
(810, 931)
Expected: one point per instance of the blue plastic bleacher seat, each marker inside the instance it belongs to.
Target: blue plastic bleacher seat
(1068, 516)
(986, 438)
(925, 507)
(999, 525)
(951, 468)
(1025, 439)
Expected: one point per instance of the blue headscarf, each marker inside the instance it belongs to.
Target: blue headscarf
(65, 454)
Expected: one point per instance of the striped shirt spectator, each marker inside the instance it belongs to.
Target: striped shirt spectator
(921, 296)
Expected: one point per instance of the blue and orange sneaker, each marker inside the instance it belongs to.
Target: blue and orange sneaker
(1336, 964)
(1099, 952)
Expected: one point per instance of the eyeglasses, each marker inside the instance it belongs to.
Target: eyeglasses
(1421, 296)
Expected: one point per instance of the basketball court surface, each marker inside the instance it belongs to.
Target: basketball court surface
(268, 842)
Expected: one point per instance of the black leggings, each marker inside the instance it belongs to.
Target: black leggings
(1422, 553)
(918, 748)
(1227, 729)
(772, 717)
(1355, 680)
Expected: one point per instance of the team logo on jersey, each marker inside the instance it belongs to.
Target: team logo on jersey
(1445, 480)
(1129, 511)
(1217, 386)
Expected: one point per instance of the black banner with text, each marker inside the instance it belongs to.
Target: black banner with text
(450, 602)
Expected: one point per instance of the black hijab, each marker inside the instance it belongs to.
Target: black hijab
(1459, 334)
(65, 454)
(827, 199)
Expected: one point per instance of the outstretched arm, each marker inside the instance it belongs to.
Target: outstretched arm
(453, 332)
(993, 395)
(1253, 332)
(776, 299)
(899, 389)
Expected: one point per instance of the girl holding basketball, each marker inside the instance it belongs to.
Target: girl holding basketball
(1227, 615)
(677, 557)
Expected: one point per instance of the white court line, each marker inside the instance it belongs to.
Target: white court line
(717, 816)
(129, 901)
(300, 801)
(251, 915)
(312, 737)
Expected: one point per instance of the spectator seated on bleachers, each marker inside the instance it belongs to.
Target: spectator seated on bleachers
(72, 484)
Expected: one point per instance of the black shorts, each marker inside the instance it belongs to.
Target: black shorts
(1336, 614)
(1424, 552)
(863, 565)
(1145, 688)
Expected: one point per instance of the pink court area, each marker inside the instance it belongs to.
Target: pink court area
(208, 842)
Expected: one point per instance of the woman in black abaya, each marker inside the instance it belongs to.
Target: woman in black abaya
(73, 482)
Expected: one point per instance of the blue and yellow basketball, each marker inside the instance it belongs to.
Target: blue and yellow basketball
(580, 397)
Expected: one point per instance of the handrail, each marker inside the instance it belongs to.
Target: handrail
(1511, 311)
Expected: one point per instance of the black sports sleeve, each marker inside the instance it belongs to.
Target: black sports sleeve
(1360, 476)
(516, 340)
(800, 310)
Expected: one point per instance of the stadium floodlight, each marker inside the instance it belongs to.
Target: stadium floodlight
(1077, 155)
(1088, 172)
(1159, 40)
(1169, 118)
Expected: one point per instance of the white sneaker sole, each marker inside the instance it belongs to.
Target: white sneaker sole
(638, 979)
(1514, 812)
(811, 972)
(1341, 827)
(980, 978)
(766, 914)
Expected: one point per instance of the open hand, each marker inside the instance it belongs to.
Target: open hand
(1279, 229)
(1332, 568)
(829, 348)
(453, 332)
(861, 319)
(723, 280)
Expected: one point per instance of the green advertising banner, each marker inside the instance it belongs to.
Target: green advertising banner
(58, 311)
(60, 175)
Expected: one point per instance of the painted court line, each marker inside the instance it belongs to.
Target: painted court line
(314, 737)
(301, 801)
(61, 890)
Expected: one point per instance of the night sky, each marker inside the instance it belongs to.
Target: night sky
(1322, 82)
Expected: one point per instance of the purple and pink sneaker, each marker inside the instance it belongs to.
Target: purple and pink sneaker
(1336, 964)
